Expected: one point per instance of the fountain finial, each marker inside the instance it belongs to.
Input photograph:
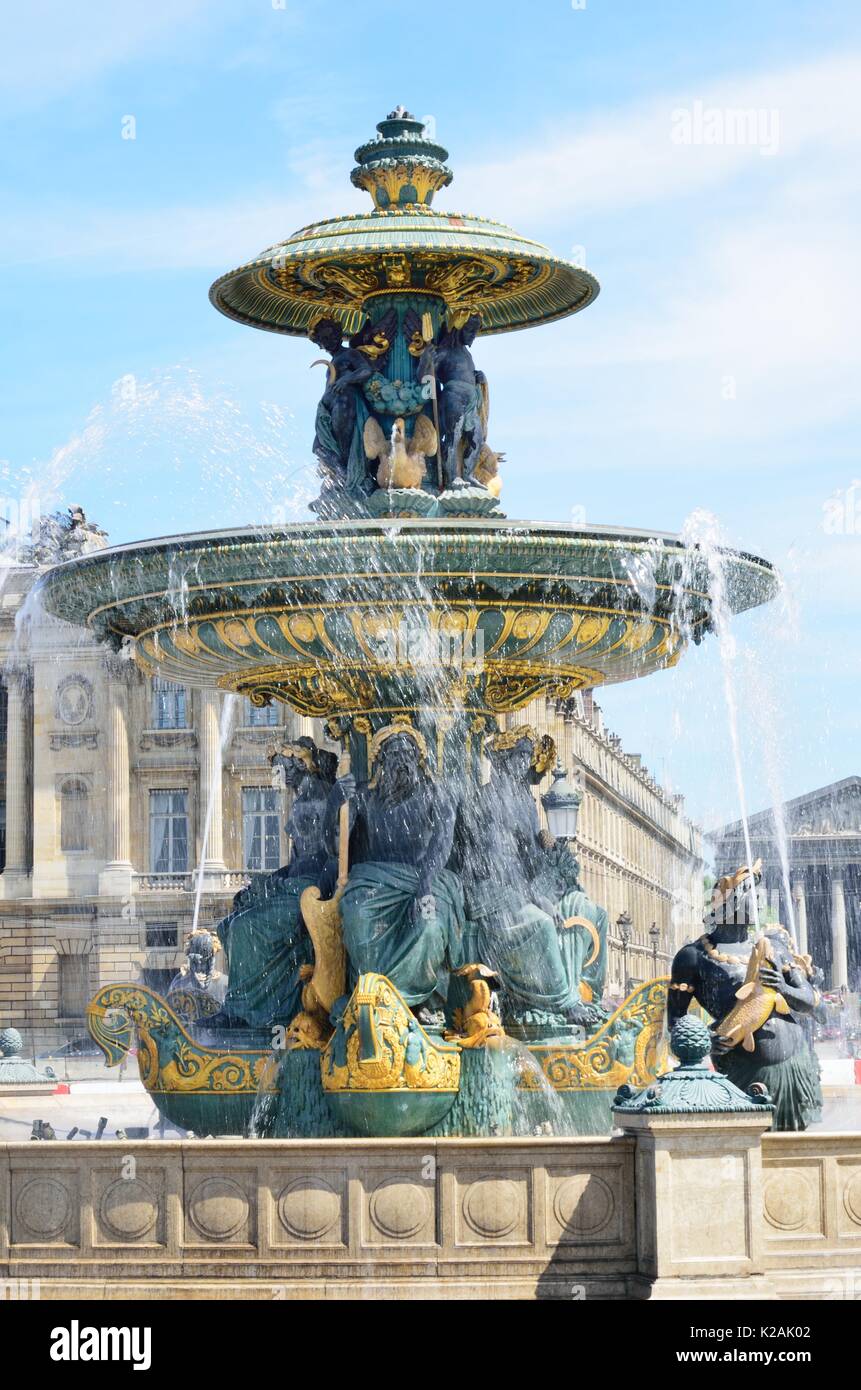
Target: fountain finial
(401, 166)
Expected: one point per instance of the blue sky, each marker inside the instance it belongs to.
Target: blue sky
(718, 369)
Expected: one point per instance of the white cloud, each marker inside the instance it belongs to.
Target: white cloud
(628, 157)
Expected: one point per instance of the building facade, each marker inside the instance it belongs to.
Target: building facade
(110, 782)
(811, 872)
(639, 853)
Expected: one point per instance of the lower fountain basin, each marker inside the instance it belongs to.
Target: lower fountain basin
(347, 616)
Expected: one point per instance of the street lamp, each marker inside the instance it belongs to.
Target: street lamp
(654, 937)
(623, 927)
(562, 805)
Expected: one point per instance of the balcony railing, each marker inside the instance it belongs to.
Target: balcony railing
(229, 882)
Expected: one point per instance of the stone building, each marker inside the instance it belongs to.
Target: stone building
(105, 781)
(638, 851)
(811, 872)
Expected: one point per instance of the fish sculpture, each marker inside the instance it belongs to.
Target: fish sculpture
(756, 1001)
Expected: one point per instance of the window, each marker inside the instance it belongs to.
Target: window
(73, 985)
(161, 935)
(261, 830)
(74, 816)
(263, 717)
(169, 705)
(168, 832)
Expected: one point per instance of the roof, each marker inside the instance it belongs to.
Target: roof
(733, 828)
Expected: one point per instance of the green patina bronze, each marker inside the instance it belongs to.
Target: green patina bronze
(694, 1087)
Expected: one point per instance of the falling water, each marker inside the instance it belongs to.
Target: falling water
(194, 447)
(768, 714)
(223, 733)
(702, 531)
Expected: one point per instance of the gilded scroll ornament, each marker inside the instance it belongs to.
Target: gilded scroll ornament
(379, 1045)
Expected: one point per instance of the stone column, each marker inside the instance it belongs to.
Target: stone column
(115, 879)
(211, 853)
(799, 898)
(839, 951)
(19, 687)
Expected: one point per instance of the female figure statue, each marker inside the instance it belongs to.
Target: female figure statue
(528, 917)
(264, 938)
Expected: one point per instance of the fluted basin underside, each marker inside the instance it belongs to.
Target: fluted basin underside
(337, 617)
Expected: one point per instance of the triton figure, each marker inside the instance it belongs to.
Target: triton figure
(758, 1034)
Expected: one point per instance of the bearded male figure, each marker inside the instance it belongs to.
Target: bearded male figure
(528, 917)
(401, 910)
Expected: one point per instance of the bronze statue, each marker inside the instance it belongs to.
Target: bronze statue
(463, 404)
(402, 909)
(198, 991)
(528, 916)
(264, 939)
(342, 412)
(758, 991)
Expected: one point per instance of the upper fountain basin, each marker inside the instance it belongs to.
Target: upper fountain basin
(325, 614)
(335, 268)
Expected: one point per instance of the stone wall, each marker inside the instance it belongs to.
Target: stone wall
(812, 1214)
(681, 1207)
(323, 1218)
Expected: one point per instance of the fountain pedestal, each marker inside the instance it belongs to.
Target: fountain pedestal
(698, 1174)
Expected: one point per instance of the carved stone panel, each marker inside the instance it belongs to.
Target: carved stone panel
(220, 1209)
(45, 1207)
(310, 1209)
(493, 1208)
(399, 1210)
(74, 699)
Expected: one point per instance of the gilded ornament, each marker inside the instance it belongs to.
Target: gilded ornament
(628, 1048)
(400, 726)
(379, 1045)
(476, 1024)
(543, 746)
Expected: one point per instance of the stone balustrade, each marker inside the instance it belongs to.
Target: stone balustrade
(226, 880)
(302, 1218)
(692, 1207)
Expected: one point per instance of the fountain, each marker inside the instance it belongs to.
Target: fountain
(428, 962)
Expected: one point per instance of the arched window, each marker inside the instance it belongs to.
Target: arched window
(74, 815)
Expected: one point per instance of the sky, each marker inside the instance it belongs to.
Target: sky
(150, 146)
